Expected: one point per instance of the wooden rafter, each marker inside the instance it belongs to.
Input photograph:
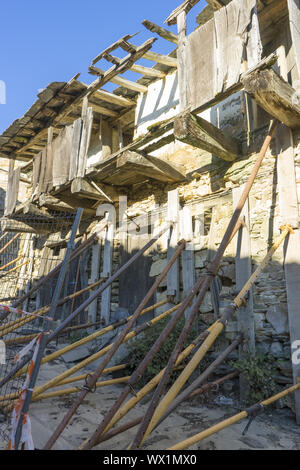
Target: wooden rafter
(162, 32)
(119, 80)
(91, 89)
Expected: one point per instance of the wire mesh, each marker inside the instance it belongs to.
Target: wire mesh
(32, 248)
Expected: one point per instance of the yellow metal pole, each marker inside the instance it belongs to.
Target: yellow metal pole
(11, 262)
(53, 382)
(198, 356)
(145, 390)
(87, 339)
(228, 422)
(15, 268)
(67, 381)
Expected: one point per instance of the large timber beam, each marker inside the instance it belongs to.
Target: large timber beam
(274, 95)
(200, 133)
(151, 167)
(83, 187)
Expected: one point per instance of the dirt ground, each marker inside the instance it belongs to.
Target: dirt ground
(274, 430)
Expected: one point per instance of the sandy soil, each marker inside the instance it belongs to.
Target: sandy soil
(275, 429)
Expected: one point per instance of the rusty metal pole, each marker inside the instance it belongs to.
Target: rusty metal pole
(220, 324)
(202, 378)
(93, 379)
(86, 303)
(135, 377)
(212, 270)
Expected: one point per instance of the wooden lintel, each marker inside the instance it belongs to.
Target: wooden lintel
(83, 187)
(149, 166)
(200, 133)
(274, 95)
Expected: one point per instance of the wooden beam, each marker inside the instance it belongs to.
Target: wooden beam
(200, 133)
(294, 17)
(92, 88)
(56, 204)
(185, 6)
(243, 271)
(162, 32)
(173, 239)
(149, 166)
(83, 187)
(114, 99)
(274, 95)
(187, 255)
(112, 47)
(102, 110)
(160, 59)
(120, 80)
(181, 57)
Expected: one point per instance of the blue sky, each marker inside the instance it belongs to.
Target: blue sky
(43, 41)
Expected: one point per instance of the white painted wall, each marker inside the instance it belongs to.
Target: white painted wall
(160, 103)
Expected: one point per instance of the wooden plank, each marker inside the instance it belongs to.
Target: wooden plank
(200, 68)
(95, 271)
(112, 47)
(107, 269)
(160, 59)
(84, 188)
(254, 45)
(36, 167)
(231, 23)
(114, 99)
(294, 18)
(243, 271)
(102, 110)
(12, 190)
(181, 57)
(137, 68)
(198, 132)
(120, 80)
(274, 95)
(61, 149)
(289, 212)
(152, 167)
(85, 141)
(173, 274)
(77, 129)
(186, 6)
(106, 138)
(162, 32)
(187, 255)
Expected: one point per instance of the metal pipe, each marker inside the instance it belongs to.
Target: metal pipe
(191, 366)
(201, 379)
(234, 419)
(105, 361)
(211, 272)
(121, 412)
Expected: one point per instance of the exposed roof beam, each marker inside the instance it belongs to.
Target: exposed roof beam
(120, 80)
(114, 99)
(150, 72)
(162, 32)
(94, 86)
(104, 111)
